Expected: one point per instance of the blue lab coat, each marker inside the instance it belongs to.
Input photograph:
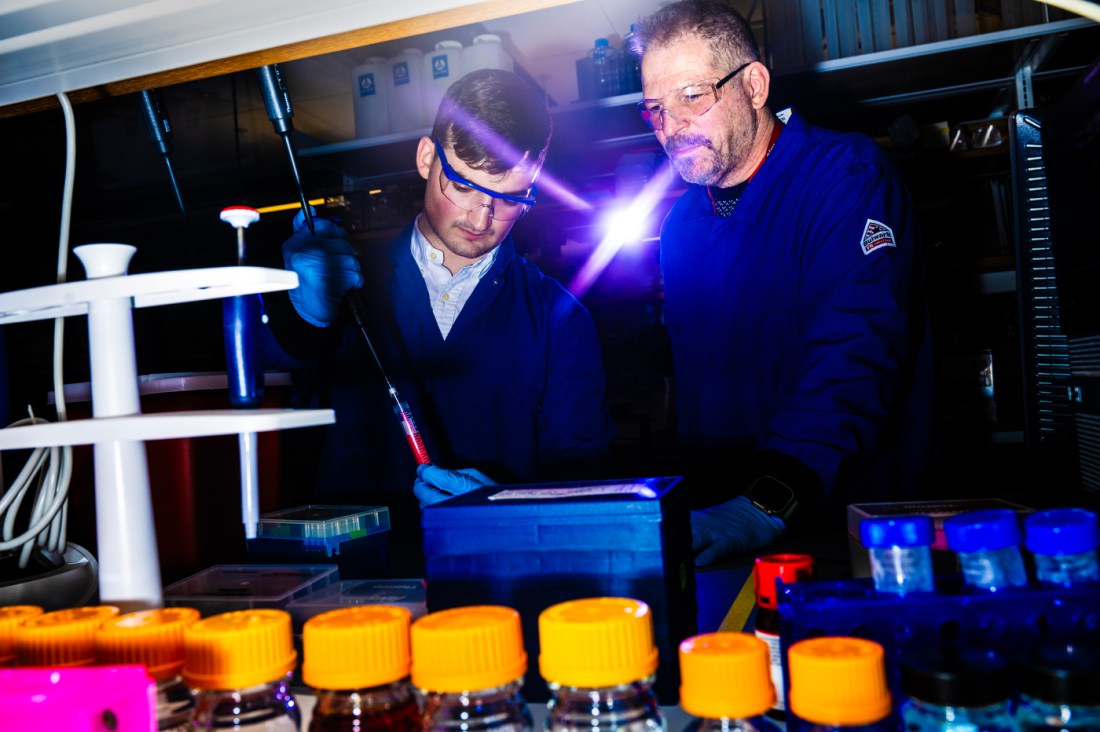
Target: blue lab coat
(517, 389)
(788, 339)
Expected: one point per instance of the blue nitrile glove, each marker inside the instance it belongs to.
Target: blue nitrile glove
(434, 484)
(731, 528)
(326, 266)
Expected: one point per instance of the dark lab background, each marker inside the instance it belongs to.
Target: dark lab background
(223, 157)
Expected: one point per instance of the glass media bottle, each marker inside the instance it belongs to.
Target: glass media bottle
(726, 683)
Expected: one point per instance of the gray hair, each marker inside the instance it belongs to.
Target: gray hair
(725, 31)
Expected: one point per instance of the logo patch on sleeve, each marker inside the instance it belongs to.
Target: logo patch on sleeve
(875, 235)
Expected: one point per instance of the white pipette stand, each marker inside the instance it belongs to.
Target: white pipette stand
(239, 217)
(129, 574)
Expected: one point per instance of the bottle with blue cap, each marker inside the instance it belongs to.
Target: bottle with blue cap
(900, 548)
(988, 545)
(1063, 541)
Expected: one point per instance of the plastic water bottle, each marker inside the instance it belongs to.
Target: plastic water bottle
(766, 570)
(153, 639)
(370, 92)
(467, 667)
(61, 637)
(726, 683)
(239, 664)
(988, 545)
(357, 660)
(956, 690)
(599, 660)
(631, 67)
(839, 683)
(1059, 689)
(900, 549)
(10, 618)
(1063, 541)
(605, 69)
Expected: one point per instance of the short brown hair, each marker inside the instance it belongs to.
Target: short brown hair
(495, 120)
(725, 30)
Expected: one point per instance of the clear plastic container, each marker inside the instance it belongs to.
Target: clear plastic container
(988, 545)
(599, 661)
(442, 67)
(1063, 542)
(1059, 688)
(839, 683)
(486, 52)
(900, 551)
(766, 570)
(153, 639)
(726, 682)
(405, 99)
(370, 95)
(357, 660)
(239, 664)
(606, 69)
(467, 668)
(956, 690)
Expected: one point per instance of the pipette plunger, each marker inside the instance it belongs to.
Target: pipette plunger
(276, 97)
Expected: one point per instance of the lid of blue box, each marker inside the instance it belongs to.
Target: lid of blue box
(620, 499)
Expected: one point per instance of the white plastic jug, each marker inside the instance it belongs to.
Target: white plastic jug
(370, 94)
(442, 67)
(405, 80)
(487, 52)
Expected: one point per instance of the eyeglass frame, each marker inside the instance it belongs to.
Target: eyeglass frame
(647, 116)
(454, 177)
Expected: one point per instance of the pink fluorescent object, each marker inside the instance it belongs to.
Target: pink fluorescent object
(78, 699)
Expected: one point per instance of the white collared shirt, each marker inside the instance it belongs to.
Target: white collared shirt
(448, 293)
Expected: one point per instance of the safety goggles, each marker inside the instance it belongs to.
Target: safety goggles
(686, 103)
(469, 196)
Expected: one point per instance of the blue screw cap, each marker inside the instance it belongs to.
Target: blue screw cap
(879, 532)
(1061, 531)
(978, 531)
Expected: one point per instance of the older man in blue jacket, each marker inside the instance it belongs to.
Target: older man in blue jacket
(792, 289)
(500, 365)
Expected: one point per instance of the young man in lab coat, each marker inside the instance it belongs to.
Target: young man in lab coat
(500, 365)
(792, 291)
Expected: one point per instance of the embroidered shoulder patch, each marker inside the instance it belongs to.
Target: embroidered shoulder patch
(876, 234)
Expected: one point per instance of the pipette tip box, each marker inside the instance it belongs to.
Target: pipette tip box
(227, 587)
(355, 538)
(531, 546)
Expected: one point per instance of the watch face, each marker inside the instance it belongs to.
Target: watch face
(771, 495)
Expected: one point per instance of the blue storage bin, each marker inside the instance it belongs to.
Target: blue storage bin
(532, 546)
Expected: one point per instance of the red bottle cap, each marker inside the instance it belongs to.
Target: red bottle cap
(788, 567)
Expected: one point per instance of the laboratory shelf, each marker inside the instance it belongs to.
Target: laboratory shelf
(144, 290)
(161, 426)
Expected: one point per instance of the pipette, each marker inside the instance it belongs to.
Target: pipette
(159, 128)
(279, 110)
(400, 408)
(241, 323)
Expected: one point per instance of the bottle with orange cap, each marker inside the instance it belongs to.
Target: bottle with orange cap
(839, 683)
(238, 665)
(154, 639)
(10, 618)
(357, 660)
(765, 572)
(598, 657)
(61, 637)
(467, 667)
(725, 681)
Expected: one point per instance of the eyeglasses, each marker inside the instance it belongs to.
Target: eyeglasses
(468, 195)
(687, 103)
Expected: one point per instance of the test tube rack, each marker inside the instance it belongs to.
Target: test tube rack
(129, 572)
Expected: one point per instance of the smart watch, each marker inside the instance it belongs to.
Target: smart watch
(773, 497)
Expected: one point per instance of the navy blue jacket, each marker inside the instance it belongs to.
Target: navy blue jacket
(517, 390)
(797, 324)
